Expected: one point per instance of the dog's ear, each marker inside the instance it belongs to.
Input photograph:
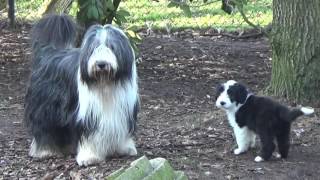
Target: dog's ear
(240, 93)
(219, 89)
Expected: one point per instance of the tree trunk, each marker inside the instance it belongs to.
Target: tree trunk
(11, 13)
(50, 6)
(296, 49)
(3, 4)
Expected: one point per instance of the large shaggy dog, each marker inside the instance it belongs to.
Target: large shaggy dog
(250, 115)
(81, 100)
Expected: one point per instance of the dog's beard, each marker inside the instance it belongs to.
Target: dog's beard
(105, 75)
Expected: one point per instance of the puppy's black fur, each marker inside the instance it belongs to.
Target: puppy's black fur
(268, 119)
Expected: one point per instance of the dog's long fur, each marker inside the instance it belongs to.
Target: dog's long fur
(81, 100)
(250, 115)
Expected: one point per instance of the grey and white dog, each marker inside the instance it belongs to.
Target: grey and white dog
(81, 100)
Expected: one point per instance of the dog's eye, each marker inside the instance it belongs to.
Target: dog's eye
(220, 89)
(111, 47)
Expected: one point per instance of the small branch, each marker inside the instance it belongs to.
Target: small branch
(253, 35)
(4, 84)
(10, 107)
(116, 5)
(245, 18)
(204, 4)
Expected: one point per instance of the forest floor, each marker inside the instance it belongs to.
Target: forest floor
(178, 119)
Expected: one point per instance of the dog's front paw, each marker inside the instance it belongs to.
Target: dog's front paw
(128, 148)
(132, 151)
(39, 152)
(238, 151)
(87, 160)
(258, 159)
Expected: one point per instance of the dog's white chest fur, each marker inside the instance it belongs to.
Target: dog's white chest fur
(245, 138)
(109, 107)
(231, 115)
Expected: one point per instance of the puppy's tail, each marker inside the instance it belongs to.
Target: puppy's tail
(57, 31)
(295, 113)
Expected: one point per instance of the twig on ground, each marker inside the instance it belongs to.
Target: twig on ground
(9, 107)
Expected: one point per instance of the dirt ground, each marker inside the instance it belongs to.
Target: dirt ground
(178, 119)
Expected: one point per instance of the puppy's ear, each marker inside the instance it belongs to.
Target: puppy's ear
(219, 89)
(240, 93)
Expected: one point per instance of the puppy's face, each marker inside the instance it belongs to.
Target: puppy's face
(106, 54)
(230, 95)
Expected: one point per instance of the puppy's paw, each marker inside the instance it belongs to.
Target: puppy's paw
(238, 151)
(276, 155)
(307, 110)
(258, 159)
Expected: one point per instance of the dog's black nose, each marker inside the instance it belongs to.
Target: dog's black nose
(222, 103)
(101, 64)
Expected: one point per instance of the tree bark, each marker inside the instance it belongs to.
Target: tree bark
(50, 6)
(295, 46)
(3, 4)
(11, 13)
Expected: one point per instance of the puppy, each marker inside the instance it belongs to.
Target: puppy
(250, 115)
(81, 100)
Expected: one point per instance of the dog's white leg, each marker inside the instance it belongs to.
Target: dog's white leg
(127, 147)
(39, 152)
(243, 139)
(87, 153)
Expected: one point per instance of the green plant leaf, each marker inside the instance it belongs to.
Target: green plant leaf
(101, 12)
(99, 3)
(182, 5)
(172, 4)
(109, 5)
(134, 39)
(186, 9)
(134, 35)
(93, 13)
(119, 19)
(133, 28)
(123, 12)
(85, 4)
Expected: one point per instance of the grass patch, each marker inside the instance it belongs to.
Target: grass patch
(145, 12)
(157, 15)
(28, 9)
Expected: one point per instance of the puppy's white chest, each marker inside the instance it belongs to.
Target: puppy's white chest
(232, 119)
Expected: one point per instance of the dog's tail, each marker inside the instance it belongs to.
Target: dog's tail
(57, 31)
(295, 113)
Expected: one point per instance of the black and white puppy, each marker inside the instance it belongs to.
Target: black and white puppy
(250, 115)
(81, 100)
